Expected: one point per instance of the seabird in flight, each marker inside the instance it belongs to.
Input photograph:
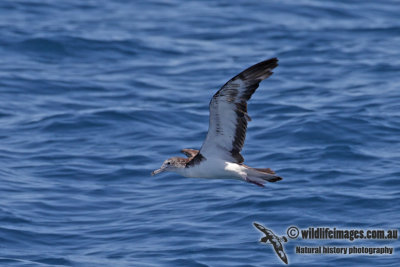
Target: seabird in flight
(275, 241)
(219, 157)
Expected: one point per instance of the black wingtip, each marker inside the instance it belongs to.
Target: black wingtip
(268, 63)
(271, 63)
(273, 60)
(259, 71)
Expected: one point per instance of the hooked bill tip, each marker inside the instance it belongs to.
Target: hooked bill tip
(156, 172)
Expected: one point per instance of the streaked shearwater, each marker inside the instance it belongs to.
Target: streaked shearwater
(219, 157)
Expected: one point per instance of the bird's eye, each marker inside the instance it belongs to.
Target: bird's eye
(168, 163)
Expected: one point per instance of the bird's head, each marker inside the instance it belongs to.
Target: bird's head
(171, 165)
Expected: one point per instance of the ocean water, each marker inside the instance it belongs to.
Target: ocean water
(94, 95)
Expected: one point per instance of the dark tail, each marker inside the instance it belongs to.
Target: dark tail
(262, 175)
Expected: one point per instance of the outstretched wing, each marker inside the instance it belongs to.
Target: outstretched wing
(228, 113)
(261, 228)
(279, 251)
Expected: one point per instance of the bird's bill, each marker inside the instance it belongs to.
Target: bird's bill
(157, 171)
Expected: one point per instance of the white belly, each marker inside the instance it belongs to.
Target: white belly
(217, 169)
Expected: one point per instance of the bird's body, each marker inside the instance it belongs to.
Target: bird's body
(219, 157)
(215, 168)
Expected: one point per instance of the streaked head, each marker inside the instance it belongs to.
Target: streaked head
(171, 165)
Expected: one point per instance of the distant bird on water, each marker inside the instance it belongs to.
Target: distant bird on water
(219, 157)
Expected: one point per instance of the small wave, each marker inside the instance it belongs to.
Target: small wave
(42, 46)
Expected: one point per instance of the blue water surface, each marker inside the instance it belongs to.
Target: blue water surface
(94, 95)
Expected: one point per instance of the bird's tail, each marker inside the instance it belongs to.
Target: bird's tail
(261, 176)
